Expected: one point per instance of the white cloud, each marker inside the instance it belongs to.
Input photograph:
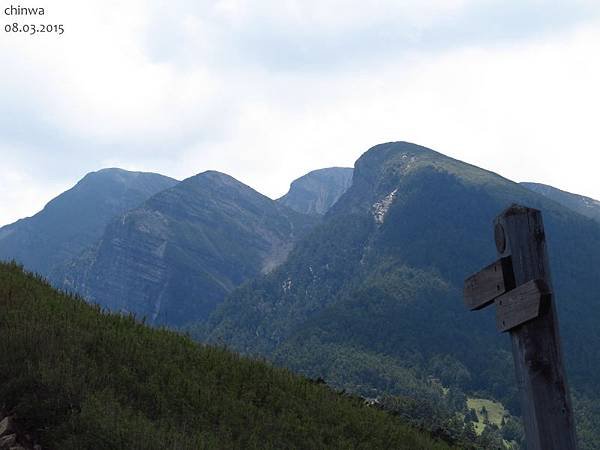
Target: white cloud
(19, 191)
(268, 90)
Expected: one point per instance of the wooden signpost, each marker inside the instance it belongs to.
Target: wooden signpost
(520, 286)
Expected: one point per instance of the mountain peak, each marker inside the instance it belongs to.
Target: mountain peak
(122, 177)
(315, 192)
(400, 146)
(77, 217)
(113, 170)
(392, 157)
(381, 153)
(218, 185)
(214, 176)
(380, 169)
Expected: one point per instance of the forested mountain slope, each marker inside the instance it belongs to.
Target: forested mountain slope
(372, 301)
(75, 378)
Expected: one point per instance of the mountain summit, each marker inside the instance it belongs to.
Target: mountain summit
(317, 191)
(76, 219)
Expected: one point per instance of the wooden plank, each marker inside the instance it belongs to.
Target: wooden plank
(482, 288)
(520, 305)
(546, 403)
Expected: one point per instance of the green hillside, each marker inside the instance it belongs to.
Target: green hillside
(78, 378)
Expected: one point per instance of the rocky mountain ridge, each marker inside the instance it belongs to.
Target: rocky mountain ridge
(585, 206)
(174, 258)
(317, 191)
(76, 219)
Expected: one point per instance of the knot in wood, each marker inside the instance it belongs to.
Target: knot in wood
(500, 238)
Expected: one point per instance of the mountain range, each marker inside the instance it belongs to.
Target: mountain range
(175, 257)
(354, 276)
(380, 278)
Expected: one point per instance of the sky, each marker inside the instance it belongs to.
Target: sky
(267, 90)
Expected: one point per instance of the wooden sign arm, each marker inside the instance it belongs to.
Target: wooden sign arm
(519, 284)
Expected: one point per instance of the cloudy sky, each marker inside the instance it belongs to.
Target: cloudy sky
(267, 90)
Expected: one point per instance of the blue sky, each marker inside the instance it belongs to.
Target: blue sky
(267, 90)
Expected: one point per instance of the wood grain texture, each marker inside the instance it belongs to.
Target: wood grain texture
(482, 288)
(546, 403)
(520, 305)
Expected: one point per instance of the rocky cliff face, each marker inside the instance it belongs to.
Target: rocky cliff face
(77, 218)
(317, 191)
(583, 205)
(173, 259)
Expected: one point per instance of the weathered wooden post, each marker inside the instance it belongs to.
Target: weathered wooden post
(519, 284)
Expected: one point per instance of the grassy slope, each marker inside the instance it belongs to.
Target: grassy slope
(496, 412)
(82, 379)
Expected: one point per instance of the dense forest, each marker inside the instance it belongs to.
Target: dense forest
(78, 378)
